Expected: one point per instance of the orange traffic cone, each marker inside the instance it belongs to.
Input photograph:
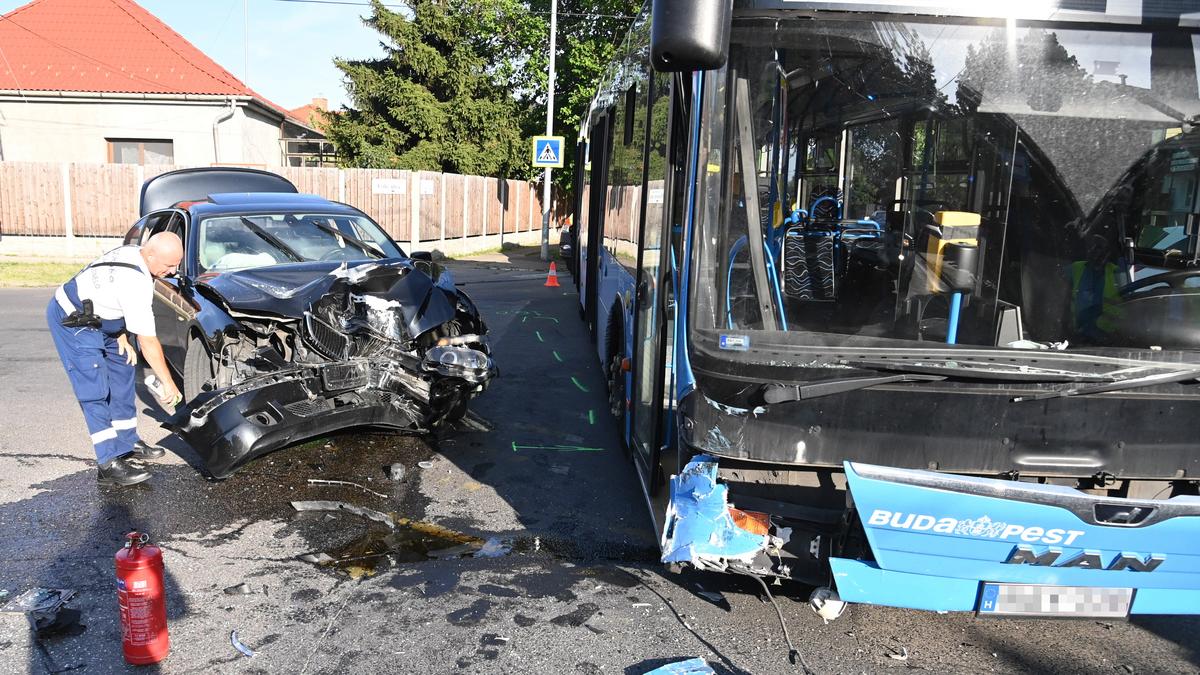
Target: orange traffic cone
(552, 276)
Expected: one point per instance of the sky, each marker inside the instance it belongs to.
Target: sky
(291, 44)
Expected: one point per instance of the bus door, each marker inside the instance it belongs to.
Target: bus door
(599, 144)
(653, 325)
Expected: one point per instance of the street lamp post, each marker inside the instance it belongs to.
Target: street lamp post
(549, 132)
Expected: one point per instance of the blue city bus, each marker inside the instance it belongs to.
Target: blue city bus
(902, 300)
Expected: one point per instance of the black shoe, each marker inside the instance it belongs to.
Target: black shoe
(143, 450)
(118, 472)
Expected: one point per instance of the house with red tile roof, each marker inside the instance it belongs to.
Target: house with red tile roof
(107, 81)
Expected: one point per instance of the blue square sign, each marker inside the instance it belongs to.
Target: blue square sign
(548, 152)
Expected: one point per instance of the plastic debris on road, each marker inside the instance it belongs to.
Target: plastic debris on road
(696, 666)
(237, 644)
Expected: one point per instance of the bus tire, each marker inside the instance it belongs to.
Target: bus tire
(614, 373)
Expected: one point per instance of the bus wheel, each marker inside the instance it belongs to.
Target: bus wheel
(616, 387)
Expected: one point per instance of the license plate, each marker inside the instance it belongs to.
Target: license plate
(1036, 600)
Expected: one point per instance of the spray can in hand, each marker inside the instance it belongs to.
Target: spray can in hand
(156, 387)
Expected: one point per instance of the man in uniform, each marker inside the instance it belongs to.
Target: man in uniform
(91, 318)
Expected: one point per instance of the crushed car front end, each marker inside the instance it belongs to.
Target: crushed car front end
(389, 344)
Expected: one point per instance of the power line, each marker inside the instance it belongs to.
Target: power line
(356, 3)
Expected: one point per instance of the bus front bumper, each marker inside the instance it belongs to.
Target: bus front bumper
(947, 542)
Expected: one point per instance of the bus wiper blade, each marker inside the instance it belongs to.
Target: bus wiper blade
(780, 393)
(1121, 385)
(989, 372)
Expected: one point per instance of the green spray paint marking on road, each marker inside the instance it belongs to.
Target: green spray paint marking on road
(556, 448)
(557, 356)
(591, 416)
(579, 384)
(538, 333)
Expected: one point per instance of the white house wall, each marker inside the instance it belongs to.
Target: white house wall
(70, 131)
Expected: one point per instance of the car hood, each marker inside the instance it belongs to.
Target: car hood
(423, 292)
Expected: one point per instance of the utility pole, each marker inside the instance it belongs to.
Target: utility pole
(549, 132)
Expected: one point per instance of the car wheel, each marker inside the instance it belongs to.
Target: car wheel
(198, 375)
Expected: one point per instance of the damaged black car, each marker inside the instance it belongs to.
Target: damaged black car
(293, 316)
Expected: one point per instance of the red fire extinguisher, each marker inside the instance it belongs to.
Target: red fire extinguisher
(142, 601)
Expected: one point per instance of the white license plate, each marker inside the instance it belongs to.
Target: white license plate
(1036, 600)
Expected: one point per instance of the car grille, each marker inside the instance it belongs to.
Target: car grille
(325, 339)
(309, 407)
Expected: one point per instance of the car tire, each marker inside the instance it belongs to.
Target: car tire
(198, 375)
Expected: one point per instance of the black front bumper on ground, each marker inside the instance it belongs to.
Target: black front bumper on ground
(237, 424)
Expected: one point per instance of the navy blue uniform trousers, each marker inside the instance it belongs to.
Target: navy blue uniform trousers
(101, 377)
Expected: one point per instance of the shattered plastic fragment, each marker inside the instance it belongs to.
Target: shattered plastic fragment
(696, 666)
(698, 523)
(396, 472)
(370, 514)
(901, 655)
(493, 548)
(237, 644)
(425, 464)
(319, 481)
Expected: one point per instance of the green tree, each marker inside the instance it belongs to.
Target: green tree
(445, 96)
(589, 34)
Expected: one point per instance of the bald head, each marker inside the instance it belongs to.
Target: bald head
(162, 253)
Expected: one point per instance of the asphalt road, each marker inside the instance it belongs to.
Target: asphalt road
(579, 591)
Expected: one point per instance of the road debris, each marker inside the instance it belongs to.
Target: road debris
(370, 514)
(901, 655)
(319, 481)
(44, 608)
(696, 666)
(396, 472)
(237, 644)
(245, 589)
(493, 548)
(714, 597)
(425, 464)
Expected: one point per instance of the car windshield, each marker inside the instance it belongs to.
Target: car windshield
(976, 183)
(233, 242)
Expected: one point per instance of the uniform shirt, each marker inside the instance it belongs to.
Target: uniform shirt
(119, 292)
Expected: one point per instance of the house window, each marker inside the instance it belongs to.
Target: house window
(140, 151)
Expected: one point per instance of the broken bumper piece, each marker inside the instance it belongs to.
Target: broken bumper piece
(699, 528)
(250, 419)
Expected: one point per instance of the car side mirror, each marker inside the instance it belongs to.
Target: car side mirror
(427, 256)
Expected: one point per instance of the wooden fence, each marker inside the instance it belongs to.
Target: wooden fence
(101, 200)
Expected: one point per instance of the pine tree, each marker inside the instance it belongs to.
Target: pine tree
(441, 99)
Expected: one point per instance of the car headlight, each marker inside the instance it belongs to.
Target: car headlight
(470, 364)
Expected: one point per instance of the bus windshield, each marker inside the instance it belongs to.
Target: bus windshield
(977, 183)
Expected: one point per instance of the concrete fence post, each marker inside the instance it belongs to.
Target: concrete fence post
(414, 208)
(68, 222)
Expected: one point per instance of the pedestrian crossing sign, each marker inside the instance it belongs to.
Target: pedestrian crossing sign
(548, 152)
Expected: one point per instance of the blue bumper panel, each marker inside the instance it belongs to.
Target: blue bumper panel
(861, 581)
(698, 525)
(952, 528)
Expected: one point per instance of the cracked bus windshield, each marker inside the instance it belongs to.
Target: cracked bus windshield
(981, 184)
(256, 240)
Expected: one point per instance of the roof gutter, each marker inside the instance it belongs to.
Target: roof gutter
(228, 113)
